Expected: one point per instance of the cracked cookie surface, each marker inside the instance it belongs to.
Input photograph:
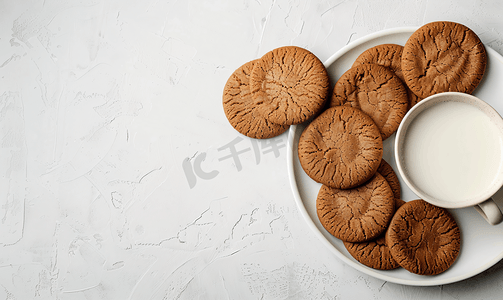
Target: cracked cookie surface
(375, 253)
(341, 148)
(389, 56)
(389, 174)
(358, 214)
(240, 110)
(423, 238)
(377, 91)
(289, 85)
(443, 57)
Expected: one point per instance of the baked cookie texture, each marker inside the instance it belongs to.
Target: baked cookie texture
(374, 253)
(375, 90)
(358, 214)
(389, 174)
(423, 238)
(443, 57)
(240, 110)
(289, 85)
(342, 148)
(386, 55)
(389, 56)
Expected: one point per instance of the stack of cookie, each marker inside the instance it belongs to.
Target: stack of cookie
(389, 56)
(286, 86)
(377, 91)
(342, 149)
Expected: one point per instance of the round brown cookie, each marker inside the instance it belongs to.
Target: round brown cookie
(443, 57)
(386, 55)
(423, 238)
(389, 174)
(240, 110)
(358, 214)
(289, 85)
(377, 91)
(390, 56)
(341, 148)
(374, 253)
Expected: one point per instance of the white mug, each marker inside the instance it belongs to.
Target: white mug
(449, 152)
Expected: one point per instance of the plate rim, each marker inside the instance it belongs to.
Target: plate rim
(292, 133)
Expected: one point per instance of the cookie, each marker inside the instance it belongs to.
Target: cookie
(443, 57)
(386, 55)
(377, 91)
(358, 214)
(342, 148)
(389, 174)
(240, 110)
(289, 85)
(423, 238)
(389, 56)
(374, 253)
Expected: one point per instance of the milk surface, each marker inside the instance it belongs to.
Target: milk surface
(452, 151)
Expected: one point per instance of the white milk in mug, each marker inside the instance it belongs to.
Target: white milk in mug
(453, 151)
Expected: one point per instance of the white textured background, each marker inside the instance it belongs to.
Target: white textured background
(117, 179)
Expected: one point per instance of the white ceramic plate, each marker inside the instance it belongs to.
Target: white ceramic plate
(481, 245)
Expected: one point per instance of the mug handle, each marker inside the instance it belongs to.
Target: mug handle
(490, 211)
